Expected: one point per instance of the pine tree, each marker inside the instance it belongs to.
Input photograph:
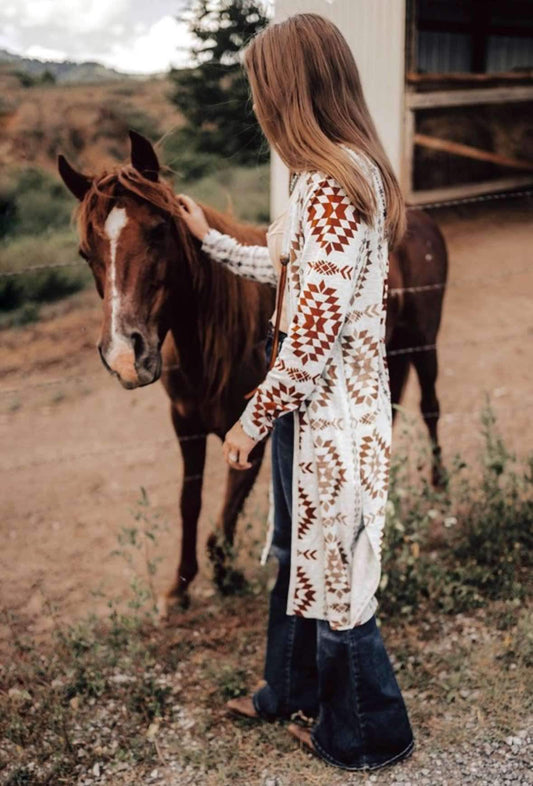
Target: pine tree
(214, 95)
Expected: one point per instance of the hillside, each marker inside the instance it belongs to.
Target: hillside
(64, 71)
(86, 122)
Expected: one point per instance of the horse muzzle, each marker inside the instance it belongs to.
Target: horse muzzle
(132, 361)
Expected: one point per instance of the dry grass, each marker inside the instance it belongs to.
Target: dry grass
(86, 122)
(124, 698)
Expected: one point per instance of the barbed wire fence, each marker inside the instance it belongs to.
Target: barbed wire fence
(455, 416)
(427, 206)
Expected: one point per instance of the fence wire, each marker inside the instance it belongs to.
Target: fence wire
(471, 200)
(449, 417)
(428, 206)
(125, 449)
(78, 378)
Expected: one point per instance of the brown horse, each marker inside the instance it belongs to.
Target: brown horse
(418, 273)
(169, 311)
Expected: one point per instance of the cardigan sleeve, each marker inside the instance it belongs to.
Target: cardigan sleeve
(248, 261)
(331, 259)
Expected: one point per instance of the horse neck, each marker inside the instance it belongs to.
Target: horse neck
(245, 233)
(211, 312)
(183, 304)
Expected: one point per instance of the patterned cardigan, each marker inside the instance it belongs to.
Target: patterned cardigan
(331, 372)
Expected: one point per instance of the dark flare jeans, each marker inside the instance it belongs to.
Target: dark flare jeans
(344, 678)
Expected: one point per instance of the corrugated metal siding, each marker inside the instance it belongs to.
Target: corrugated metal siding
(505, 53)
(447, 52)
(375, 30)
(451, 51)
(443, 52)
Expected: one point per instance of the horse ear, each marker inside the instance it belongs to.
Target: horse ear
(143, 156)
(76, 182)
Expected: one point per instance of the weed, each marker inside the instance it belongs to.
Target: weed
(14, 405)
(230, 682)
(139, 540)
(58, 397)
(485, 538)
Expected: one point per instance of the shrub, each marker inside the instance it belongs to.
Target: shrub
(484, 551)
(40, 286)
(242, 190)
(32, 202)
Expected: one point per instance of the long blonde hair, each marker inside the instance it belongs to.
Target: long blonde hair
(309, 99)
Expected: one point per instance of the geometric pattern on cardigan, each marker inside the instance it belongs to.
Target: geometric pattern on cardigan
(331, 372)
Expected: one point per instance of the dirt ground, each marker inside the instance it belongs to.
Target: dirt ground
(77, 448)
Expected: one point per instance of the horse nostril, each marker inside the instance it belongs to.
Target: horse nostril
(138, 344)
(102, 357)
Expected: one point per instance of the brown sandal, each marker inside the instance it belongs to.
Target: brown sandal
(302, 735)
(242, 706)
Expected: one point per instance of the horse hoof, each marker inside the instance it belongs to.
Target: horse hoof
(228, 580)
(217, 549)
(232, 582)
(173, 600)
(184, 601)
(162, 609)
(439, 479)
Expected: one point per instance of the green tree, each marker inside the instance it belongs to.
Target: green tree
(213, 95)
(47, 77)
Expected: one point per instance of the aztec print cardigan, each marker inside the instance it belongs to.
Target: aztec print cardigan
(331, 372)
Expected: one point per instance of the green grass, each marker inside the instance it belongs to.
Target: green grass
(32, 202)
(20, 295)
(243, 190)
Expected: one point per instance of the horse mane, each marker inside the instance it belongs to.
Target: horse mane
(229, 306)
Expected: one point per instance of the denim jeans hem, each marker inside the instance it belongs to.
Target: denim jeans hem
(267, 716)
(280, 716)
(355, 767)
(261, 714)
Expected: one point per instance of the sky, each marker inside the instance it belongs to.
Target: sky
(133, 36)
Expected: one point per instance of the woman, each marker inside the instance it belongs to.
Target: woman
(326, 398)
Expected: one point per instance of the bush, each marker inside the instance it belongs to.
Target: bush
(33, 202)
(484, 552)
(244, 190)
(40, 285)
(27, 79)
(492, 551)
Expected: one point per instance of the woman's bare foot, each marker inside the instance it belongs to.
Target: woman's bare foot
(242, 706)
(302, 735)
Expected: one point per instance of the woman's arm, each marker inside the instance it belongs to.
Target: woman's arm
(248, 261)
(332, 258)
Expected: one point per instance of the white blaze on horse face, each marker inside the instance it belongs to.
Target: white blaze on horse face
(120, 356)
(115, 223)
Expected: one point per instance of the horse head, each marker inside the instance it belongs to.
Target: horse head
(130, 235)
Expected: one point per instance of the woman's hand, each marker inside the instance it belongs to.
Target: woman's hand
(193, 215)
(237, 445)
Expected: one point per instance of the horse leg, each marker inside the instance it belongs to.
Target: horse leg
(398, 371)
(426, 367)
(219, 544)
(192, 441)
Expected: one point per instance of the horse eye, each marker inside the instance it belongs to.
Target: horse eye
(157, 230)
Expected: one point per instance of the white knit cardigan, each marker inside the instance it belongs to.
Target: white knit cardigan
(331, 372)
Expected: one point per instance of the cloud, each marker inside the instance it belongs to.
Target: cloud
(43, 53)
(74, 16)
(166, 42)
(131, 35)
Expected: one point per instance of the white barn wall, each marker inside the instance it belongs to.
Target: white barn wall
(375, 31)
